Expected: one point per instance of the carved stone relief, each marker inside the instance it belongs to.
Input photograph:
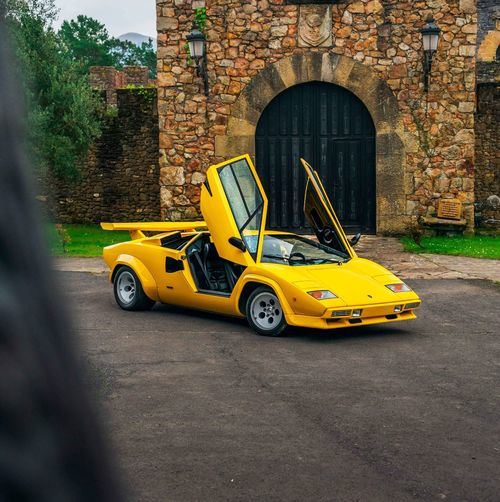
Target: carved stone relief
(315, 26)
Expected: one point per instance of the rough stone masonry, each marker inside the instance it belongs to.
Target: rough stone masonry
(258, 48)
(119, 179)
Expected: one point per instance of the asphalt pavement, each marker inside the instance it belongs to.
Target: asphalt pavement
(198, 408)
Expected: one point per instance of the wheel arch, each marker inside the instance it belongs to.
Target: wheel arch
(254, 282)
(147, 280)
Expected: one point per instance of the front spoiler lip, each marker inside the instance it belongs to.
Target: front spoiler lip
(324, 323)
(374, 313)
(371, 307)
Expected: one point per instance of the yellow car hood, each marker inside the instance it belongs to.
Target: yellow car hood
(357, 282)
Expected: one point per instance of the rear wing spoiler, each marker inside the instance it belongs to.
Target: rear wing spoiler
(137, 229)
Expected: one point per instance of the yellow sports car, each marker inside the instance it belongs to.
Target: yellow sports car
(230, 264)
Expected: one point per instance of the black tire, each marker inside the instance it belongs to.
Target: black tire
(126, 277)
(264, 312)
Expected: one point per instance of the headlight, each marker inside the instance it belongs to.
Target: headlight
(322, 294)
(398, 288)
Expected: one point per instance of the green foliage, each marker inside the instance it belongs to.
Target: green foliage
(89, 44)
(143, 55)
(476, 246)
(82, 240)
(145, 92)
(62, 120)
(63, 237)
(188, 54)
(110, 112)
(200, 18)
(416, 233)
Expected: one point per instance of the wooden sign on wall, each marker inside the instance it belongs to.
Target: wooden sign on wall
(450, 209)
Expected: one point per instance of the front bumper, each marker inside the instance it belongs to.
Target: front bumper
(371, 314)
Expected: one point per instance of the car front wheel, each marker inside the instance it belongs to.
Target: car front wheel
(264, 312)
(128, 291)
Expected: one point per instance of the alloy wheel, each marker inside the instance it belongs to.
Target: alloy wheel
(266, 311)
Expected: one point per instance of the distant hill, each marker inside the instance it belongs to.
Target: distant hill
(136, 38)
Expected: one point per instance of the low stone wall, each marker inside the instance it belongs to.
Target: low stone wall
(487, 151)
(120, 178)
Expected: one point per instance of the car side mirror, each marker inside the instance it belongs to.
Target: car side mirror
(172, 265)
(237, 243)
(355, 240)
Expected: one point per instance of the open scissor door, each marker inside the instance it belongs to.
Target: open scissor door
(234, 206)
(320, 214)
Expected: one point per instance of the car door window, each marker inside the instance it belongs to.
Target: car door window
(321, 215)
(245, 200)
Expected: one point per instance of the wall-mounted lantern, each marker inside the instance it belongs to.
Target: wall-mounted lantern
(430, 38)
(197, 49)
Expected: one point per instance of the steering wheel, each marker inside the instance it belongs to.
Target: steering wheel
(296, 254)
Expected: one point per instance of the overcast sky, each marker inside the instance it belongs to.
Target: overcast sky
(119, 16)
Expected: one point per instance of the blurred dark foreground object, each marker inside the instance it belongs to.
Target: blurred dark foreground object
(51, 447)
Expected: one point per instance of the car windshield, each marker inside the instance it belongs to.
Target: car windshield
(296, 250)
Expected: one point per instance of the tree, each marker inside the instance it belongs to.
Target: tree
(62, 121)
(146, 54)
(130, 54)
(143, 55)
(89, 44)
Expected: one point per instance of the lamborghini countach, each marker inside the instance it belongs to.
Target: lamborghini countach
(230, 264)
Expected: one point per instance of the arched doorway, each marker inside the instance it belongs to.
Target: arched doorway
(332, 129)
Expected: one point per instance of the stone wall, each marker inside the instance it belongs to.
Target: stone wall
(487, 125)
(488, 29)
(108, 79)
(119, 180)
(488, 153)
(425, 142)
(488, 72)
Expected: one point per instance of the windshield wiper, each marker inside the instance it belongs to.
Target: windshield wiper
(276, 257)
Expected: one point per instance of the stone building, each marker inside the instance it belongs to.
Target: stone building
(338, 82)
(487, 125)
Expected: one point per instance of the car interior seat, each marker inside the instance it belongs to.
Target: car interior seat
(212, 272)
(214, 265)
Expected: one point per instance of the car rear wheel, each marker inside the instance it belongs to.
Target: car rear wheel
(128, 291)
(264, 312)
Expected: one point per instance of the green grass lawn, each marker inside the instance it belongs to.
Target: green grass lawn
(476, 246)
(85, 240)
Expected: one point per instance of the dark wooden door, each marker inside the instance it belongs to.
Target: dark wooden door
(330, 128)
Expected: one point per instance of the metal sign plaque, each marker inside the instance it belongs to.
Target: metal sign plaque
(450, 209)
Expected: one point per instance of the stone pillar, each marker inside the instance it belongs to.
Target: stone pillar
(136, 75)
(185, 142)
(107, 79)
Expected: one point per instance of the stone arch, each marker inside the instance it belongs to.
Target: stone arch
(488, 49)
(360, 80)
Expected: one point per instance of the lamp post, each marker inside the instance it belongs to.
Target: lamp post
(197, 49)
(430, 38)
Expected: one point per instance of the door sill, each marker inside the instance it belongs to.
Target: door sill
(214, 293)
